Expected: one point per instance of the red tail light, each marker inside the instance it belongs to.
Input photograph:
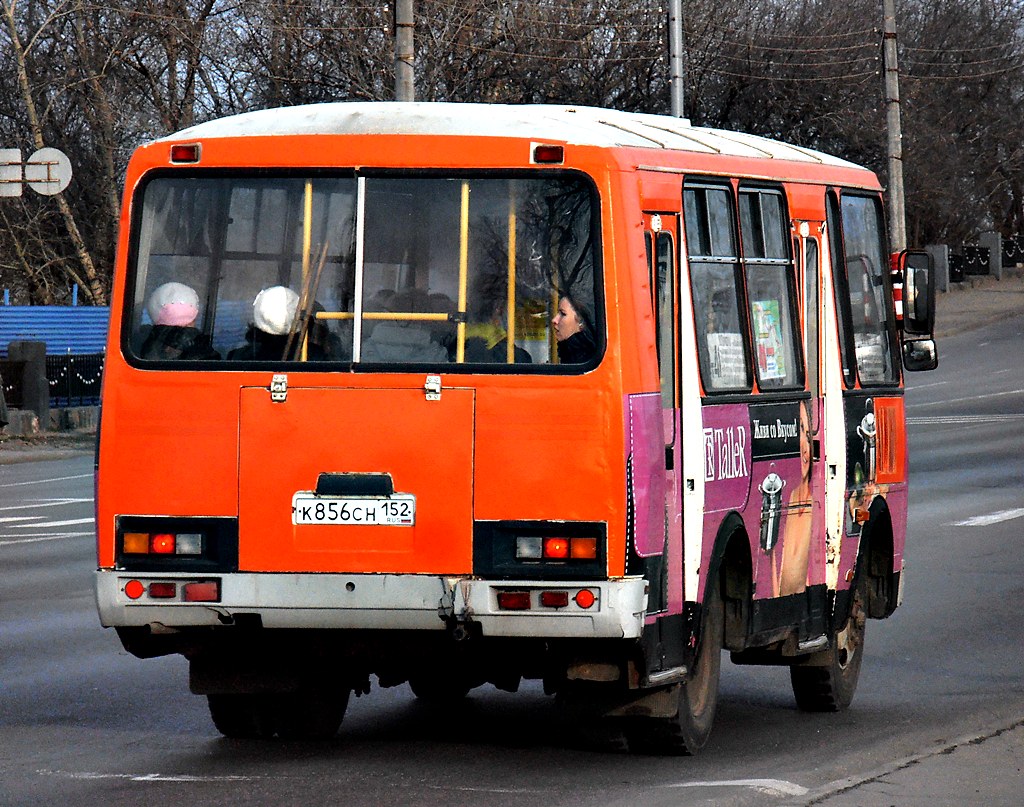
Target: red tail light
(585, 598)
(554, 599)
(514, 600)
(556, 547)
(162, 544)
(207, 591)
(163, 591)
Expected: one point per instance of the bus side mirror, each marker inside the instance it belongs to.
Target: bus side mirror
(920, 354)
(918, 293)
(918, 324)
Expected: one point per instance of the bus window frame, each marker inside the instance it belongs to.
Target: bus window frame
(792, 289)
(841, 289)
(132, 289)
(696, 262)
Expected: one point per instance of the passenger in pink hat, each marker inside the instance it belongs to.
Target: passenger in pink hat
(173, 309)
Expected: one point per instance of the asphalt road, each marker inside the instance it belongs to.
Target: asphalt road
(937, 719)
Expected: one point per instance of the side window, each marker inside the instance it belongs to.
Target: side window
(717, 289)
(842, 293)
(771, 289)
(864, 292)
(664, 255)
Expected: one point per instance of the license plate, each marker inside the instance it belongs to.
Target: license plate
(398, 510)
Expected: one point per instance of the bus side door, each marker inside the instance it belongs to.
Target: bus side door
(807, 239)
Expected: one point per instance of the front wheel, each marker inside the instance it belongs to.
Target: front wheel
(827, 683)
(689, 730)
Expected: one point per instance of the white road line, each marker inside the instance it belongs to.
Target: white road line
(45, 481)
(8, 519)
(149, 777)
(36, 539)
(961, 420)
(971, 398)
(991, 518)
(47, 524)
(770, 787)
(45, 503)
(926, 386)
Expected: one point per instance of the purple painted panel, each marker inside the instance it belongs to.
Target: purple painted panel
(727, 453)
(645, 444)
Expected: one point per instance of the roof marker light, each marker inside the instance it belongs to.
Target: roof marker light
(185, 152)
(548, 154)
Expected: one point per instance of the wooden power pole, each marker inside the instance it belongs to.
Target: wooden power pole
(405, 88)
(897, 206)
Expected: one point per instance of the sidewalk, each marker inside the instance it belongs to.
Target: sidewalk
(979, 301)
(957, 773)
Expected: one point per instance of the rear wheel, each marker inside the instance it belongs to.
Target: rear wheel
(828, 683)
(242, 717)
(312, 713)
(440, 689)
(688, 731)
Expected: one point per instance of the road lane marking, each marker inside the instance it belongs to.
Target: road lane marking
(9, 519)
(44, 524)
(769, 787)
(45, 481)
(960, 420)
(970, 398)
(10, 540)
(991, 518)
(149, 777)
(46, 503)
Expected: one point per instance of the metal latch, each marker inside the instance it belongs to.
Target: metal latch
(279, 388)
(432, 387)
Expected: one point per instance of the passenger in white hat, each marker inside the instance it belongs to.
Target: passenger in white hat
(273, 316)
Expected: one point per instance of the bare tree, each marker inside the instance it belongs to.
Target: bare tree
(96, 79)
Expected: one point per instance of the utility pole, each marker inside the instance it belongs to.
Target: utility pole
(405, 88)
(675, 56)
(897, 207)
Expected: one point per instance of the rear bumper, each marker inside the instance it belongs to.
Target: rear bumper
(377, 601)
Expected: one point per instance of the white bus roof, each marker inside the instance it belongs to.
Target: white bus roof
(577, 125)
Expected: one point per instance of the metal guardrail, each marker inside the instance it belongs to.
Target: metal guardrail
(75, 380)
(976, 260)
(12, 373)
(1013, 250)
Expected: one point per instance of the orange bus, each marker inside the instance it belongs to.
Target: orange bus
(461, 394)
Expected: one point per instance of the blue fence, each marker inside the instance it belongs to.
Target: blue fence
(65, 329)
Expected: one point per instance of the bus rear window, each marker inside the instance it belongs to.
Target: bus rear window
(378, 270)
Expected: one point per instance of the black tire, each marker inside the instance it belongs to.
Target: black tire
(242, 717)
(314, 713)
(828, 681)
(439, 689)
(689, 730)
